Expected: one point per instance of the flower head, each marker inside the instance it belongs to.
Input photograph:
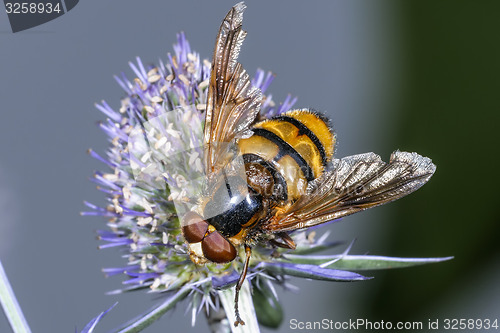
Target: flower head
(154, 171)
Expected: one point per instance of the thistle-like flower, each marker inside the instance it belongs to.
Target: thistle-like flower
(155, 172)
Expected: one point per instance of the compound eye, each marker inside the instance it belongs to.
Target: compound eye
(194, 227)
(217, 249)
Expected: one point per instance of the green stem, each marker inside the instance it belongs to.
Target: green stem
(218, 322)
(247, 309)
(10, 305)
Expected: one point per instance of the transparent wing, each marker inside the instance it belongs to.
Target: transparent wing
(355, 183)
(168, 149)
(232, 102)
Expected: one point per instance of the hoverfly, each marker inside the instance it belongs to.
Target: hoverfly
(291, 180)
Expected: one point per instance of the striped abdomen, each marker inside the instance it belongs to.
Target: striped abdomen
(291, 150)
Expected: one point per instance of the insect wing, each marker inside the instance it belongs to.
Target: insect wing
(232, 102)
(355, 183)
(169, 149)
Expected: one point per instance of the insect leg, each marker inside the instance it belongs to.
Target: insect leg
(287, 243)
(248, 252)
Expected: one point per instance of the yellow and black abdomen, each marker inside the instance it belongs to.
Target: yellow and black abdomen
(293, 147)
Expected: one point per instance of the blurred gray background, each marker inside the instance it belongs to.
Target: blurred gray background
(418, 76)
